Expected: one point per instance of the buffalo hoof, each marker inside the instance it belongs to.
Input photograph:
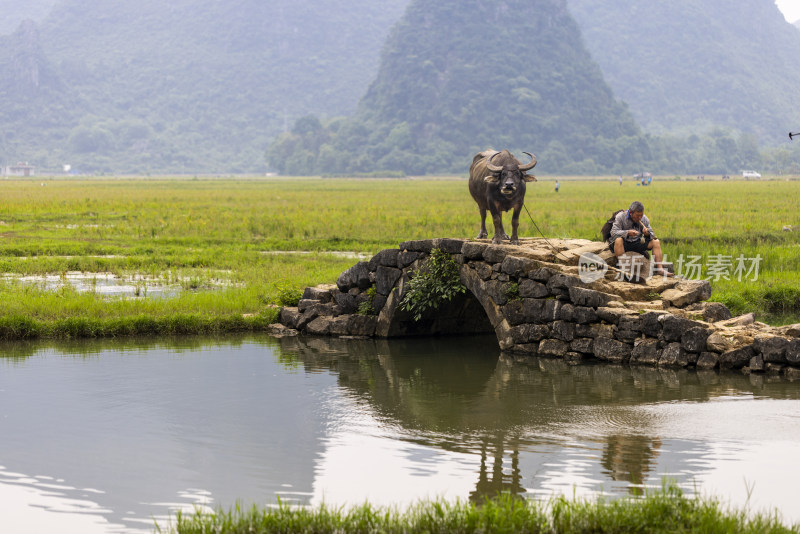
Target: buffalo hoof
(498, 240)
(482, 235)
(515, 241)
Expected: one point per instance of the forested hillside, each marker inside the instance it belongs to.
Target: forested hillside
(13, 12)
(185, 85)
(459, 76)
(685, 66)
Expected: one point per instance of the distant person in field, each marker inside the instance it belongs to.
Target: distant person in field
(557, 186)
(631, 232)
(620, 180)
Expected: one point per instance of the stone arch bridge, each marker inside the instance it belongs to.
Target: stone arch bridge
(533, 298)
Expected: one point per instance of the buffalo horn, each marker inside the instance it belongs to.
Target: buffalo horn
(530, 165)
(493, 168)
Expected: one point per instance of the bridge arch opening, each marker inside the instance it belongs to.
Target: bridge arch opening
(463, 314)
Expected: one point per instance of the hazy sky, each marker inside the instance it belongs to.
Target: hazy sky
(790, 9)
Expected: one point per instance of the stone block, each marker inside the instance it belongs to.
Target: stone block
(407, 257)
(473, 250)
(673, 355)
(649, 323)
(694, 339)
(584, 315)
(563, 330)
(793, 352)
(320, 326)
(645, 351)
(532, 289)
(362, 325)
(590, 298)
(321, 293)
(527, 333)
(518, 267)
(424, 246)
(553, 347)
(583, 345)
(756, 363)
(594, 330)
(711, 312)
(386, 257)
(736, 359)
(612, 315)
(673, 326)
(495, 253)
(707, 360)
(611, 350)
(686, 292)
(386, 278)
(355, 276)
(449, 245)
(716, 342)
(773, 348)
(567, 312)
(540, 275)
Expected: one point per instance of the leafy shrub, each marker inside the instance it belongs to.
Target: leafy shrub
(435, 282)
(289, 296)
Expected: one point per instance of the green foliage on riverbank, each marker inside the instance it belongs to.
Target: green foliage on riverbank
(230, 249)
(666, 511)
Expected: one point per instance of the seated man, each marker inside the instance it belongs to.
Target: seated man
(631, 232)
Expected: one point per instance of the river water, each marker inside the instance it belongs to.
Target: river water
(113, 436)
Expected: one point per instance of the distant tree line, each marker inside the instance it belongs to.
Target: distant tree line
(340, 146)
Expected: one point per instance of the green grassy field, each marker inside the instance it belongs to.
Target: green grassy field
(220, 240)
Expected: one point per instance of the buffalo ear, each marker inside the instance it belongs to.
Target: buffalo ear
(529, 177)
(492, 179)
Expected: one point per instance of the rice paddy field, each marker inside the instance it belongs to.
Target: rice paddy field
(211, 255)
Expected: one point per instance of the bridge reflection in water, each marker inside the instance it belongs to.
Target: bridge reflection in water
(538, 426)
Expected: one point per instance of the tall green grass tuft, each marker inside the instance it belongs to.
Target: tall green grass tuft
(665, 511)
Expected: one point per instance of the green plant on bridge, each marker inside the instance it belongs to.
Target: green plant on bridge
(435, 282)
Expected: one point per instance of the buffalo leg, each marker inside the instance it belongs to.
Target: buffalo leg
(514, 226)
(483, 234)
(499, 233)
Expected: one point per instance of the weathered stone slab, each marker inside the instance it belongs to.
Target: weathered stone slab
(793, 352)
(694, 339)
(553, 347)
(583, 315)
(449, 245)
(673, 326)
(687, 292)
(533, 289)
(716, 342)
(711, 312)
(772, 348)
(673, 355)
(741, 320)
(386, 278)
(707, 360)
(650, 324)
(611, 350)
(321, 293)
(355, 276)
(319, 327)
(425, 246)
(495, 254)
(279, 330)
(612, 315)
(541, 275)
(407, 257)
(563, 330)
(736, 359)
(386, 257)
(583, 345)
(590, 298)
(645, 351)
(473, 250)
(594, 330)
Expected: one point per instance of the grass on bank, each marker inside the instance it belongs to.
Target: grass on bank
(665, 511)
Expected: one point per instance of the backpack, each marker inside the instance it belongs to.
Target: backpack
(606, 230)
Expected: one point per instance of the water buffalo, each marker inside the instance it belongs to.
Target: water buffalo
(497, 183)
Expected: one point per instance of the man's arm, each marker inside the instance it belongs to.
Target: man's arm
(616, 228)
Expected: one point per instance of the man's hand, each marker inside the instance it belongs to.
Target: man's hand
(645, 231)
(632, 233)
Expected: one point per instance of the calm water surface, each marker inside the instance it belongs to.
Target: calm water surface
(111, 437)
